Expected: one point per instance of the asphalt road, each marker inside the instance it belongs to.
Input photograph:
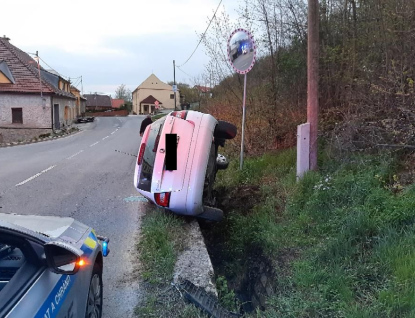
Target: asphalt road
(82, 176)
(243, 62)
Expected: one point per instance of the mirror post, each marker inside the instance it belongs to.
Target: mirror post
(174, 82)
(243, 126)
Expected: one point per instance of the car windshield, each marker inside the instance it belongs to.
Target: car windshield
(149, 157)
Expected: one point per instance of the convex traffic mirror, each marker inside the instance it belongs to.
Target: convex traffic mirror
(241, 51)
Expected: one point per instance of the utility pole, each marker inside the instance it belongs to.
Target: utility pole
(313, 78)
(40, 79)
(174, 82)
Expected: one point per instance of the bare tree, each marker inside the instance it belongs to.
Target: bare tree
(122, 92)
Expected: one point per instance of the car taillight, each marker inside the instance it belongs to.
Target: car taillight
(162, 199)
(141, 154)
(180, 114)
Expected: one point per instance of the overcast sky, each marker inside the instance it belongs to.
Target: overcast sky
(113, 42)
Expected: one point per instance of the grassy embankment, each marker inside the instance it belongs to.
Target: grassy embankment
(342, 240)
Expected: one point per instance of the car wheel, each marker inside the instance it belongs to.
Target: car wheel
(221, 162)
(94, 301)
(225, 130)
(210, 177)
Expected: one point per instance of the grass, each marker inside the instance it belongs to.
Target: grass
(351, 226)
(154, 118)
(160, 243)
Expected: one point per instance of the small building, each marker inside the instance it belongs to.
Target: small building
(98, 102)
(203, 90)
(33, 101)
(117, 102)
(158, 90)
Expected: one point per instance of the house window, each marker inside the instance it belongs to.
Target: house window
(146, 108)
(17, 116)
(171, 96)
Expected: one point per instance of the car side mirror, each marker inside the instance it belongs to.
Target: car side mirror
(62, 259)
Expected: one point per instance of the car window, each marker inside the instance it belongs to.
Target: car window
(11, 259)
(146, 173)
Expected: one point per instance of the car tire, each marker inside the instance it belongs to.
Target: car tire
(225, 130)
(222, 162)
(94, 300)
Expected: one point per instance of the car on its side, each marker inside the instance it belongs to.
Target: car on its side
(50, 267)
(188, 190)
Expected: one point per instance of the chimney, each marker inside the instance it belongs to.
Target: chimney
(6, 38)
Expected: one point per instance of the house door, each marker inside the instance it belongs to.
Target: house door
(56, 122)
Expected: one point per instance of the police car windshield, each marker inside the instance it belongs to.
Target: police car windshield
(146, 173)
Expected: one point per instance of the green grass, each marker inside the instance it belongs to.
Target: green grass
(160, 243)
(352, 227)
(154, 118)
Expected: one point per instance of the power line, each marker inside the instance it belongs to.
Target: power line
(182, 71)
(201, 38)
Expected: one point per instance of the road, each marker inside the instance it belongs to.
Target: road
(243, 62)
(82, 176)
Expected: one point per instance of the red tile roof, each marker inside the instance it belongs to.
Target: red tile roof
(203, 89)
(25, 72)
(150, 100)
(117, 103)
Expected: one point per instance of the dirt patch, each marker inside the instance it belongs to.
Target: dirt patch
(241, 199)
(249, 273)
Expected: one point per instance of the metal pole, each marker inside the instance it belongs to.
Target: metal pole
(174, 82)
(312, 79)
(243, 127)
(40, 79)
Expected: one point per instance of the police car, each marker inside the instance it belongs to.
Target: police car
(50, 267)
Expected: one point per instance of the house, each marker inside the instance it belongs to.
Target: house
(80, 101)
(33, 101)
(150, 104)
(117, 102)
(98, 102)
(150, 90)
(203, 90)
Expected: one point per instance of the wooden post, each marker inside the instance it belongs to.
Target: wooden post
(313, 78)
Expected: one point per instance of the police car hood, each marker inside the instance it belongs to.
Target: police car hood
(50, 226)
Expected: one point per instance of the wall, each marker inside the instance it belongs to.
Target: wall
(71, 103)
(108, 114)
(35, 113)
(9, 135)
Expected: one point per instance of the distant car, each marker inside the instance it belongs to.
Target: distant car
(82, 120)
(244, 51)
(50, 267)
(85, 119)
(189, 189)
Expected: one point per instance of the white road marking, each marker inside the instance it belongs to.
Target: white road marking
(75, 154)
(114, 132)
(35, 176)
(105, 137)
(94, 144)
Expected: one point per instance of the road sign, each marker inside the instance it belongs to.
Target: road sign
(156, 103)
(175, 88)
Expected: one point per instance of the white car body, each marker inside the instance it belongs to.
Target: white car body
(185, 185)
